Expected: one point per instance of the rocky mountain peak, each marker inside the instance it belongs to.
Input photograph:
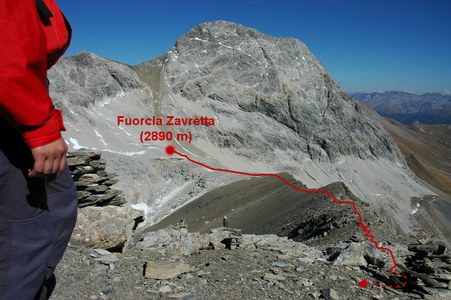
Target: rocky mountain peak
(221, 30)
(223, 63)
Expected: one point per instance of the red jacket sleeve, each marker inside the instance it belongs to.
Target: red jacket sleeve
(24, 100)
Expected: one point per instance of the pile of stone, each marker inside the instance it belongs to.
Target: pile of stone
(92, 180)
(429, 265)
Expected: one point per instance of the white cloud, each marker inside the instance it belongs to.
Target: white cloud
(447, 92)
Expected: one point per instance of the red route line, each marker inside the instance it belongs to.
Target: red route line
(365, 228)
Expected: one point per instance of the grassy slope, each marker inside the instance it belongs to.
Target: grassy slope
(427, 149)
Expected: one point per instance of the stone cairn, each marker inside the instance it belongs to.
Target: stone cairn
(430, 264)
(92, 181)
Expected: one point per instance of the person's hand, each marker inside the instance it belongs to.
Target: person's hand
(49, 160)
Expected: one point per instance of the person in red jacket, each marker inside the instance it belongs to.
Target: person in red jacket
(38, 200)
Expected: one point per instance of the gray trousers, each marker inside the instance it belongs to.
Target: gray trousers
(37, 218)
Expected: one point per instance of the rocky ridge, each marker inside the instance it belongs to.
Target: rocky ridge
(267, 205)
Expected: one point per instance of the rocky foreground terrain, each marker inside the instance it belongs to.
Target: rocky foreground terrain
(337, 262)
(175, 264)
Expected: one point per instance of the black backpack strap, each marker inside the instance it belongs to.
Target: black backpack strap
(44, 12)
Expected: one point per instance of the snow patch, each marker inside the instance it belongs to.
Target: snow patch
(142, 207)
(97, 112)
(125, 153)
(126, 132)
(415, 210)
(77, 146)
(101, 137)
(104, 102)
(201, 40)
(223, 45)
(145, 209)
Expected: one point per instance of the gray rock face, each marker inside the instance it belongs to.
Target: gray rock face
(330, 294)
(87, 78)
(223, 64)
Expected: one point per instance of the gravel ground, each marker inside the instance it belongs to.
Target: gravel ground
(215, 274)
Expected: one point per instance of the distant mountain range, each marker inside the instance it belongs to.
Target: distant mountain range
(430, 108)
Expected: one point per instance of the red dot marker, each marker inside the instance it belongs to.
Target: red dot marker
(170, 150)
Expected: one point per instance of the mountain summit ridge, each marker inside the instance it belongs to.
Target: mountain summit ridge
(279, 78)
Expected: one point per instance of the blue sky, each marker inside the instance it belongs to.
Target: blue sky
(365, 45)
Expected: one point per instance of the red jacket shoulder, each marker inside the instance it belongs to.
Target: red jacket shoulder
(24, 101)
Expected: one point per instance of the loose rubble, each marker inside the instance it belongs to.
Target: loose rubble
(174, 263)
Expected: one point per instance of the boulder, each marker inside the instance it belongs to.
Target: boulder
(101, 227)
(353, 255)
